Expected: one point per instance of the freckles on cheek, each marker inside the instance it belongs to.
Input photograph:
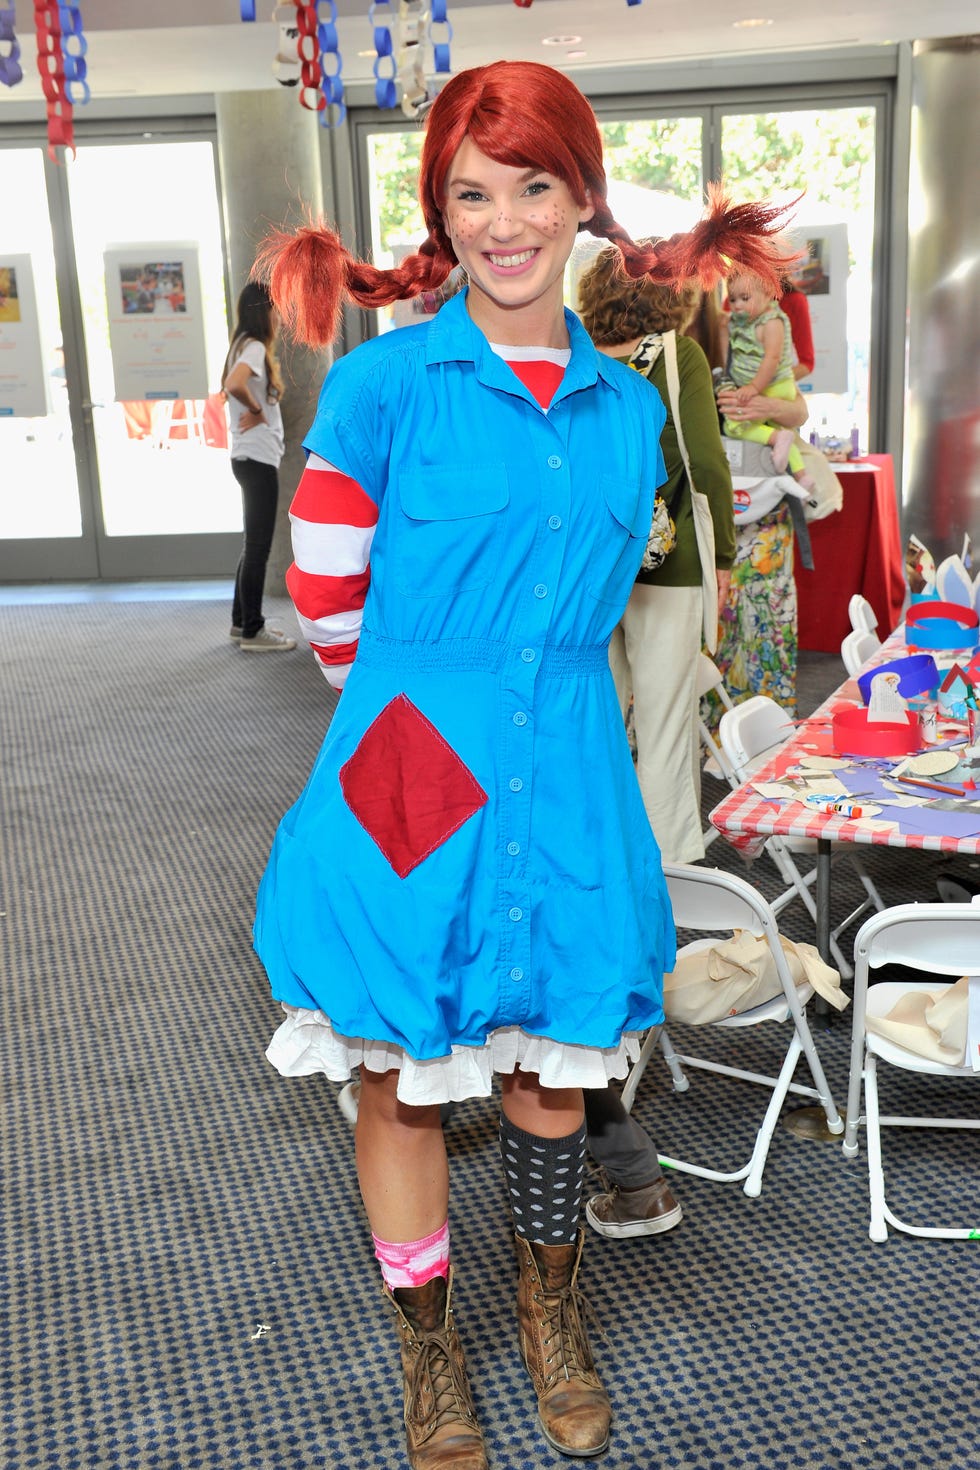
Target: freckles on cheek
(459, 227)
(550, 221)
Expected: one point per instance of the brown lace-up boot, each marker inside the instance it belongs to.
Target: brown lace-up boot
(440, 1422)
(572, 1404)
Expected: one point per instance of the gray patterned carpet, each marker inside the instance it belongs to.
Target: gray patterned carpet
(186, 1274)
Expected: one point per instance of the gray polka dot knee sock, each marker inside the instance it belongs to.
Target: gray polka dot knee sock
(544, 1176)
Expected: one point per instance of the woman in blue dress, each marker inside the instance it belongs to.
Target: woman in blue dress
(468, 883)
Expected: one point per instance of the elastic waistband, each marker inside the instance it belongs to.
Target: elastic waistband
(477, 656)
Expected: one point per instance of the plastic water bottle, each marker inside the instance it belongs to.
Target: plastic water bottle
(855, 443)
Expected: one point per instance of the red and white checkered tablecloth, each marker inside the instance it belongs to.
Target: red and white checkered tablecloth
(746, 819)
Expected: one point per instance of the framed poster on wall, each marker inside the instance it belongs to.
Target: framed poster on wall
(23, 392)
(156, 326)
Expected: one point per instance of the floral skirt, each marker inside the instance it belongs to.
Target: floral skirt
(306, 1042)
(757, 645)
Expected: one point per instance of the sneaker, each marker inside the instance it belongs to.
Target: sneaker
(267, 640)
(235, 632)
(625, 1212)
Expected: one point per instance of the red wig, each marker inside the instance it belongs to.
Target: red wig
(525, 115)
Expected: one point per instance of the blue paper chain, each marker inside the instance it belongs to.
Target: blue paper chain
(440, 49)
(332, 81)
(10, 68)
(76, 67)
(385, 66)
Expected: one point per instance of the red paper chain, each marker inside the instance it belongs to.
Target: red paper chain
(51, 66)
(308, 51)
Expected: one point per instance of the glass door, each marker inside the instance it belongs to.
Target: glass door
(825, 157)
(147, 242)
(111, 268)
(43, 530)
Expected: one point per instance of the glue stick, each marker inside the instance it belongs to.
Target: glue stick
(827, 806)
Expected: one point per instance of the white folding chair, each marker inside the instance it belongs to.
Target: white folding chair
(710, 680)
(862, 615)
(750, 735)
(710, 900)
(857, 648)
(937, 938)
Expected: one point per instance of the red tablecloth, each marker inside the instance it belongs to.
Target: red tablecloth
(858, 549)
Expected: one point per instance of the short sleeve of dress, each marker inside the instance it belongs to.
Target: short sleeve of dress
(350, 429)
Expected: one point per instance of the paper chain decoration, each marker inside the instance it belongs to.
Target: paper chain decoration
(10, 70)
(61, 48)
(311, 31)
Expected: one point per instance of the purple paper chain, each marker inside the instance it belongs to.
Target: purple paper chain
(10, 69)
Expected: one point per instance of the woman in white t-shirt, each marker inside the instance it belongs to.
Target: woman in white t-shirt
(252, 385)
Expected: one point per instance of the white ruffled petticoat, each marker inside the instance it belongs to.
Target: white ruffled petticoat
(306, 1043)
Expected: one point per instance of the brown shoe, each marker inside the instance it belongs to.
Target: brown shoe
(572, 1404)
(441, 1431)
(625, 1212)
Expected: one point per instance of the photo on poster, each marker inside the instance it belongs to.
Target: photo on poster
(153, 288)
(156, 325)
(23, 379)
(9, 295)
(812, 276)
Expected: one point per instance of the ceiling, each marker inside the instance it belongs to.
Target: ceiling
(204, 47)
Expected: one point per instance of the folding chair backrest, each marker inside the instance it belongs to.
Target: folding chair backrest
(710, 678)
(939, 938)
(753, 731)
(862, 615)
(711, 899)
(857, 648)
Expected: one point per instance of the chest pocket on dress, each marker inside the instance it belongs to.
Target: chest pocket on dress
(623, 526)
(446, 535)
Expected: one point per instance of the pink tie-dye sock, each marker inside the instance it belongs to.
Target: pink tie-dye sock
(413, 1262)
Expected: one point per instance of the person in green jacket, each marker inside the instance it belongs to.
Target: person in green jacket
(654, 651)
(654, 656)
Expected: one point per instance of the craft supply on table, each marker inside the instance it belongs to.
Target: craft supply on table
(855, 734)
(917, 674)
(932, 625)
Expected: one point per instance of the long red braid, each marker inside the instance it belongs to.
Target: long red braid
(525, 115)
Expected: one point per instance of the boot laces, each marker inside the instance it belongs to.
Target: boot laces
(566, 1312)
(450, 1390)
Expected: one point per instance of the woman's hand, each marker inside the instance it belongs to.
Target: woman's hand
(724, 580)
(250, 419)
(787, 413)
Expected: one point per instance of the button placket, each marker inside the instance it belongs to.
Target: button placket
(517, 696)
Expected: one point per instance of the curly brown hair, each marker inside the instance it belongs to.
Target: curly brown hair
(616, 309)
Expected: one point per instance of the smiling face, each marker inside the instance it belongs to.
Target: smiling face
(747, 295)
(512, 230)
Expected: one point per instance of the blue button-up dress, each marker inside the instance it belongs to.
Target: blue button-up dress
(507, 544)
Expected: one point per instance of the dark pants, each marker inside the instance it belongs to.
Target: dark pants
(617, 1142)
(260, 496)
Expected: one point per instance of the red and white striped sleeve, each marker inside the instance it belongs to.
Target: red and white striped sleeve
(333, 523)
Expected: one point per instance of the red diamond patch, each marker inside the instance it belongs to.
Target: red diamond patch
(407, 786)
